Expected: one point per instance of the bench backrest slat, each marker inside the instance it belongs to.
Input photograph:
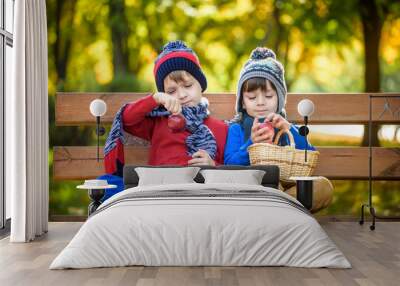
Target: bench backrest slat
(73, 108)
(79, 162)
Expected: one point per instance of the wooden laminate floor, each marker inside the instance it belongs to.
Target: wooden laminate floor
(375, 257)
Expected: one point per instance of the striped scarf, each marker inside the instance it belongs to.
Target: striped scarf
(201, 136)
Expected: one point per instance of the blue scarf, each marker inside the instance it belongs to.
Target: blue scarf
(247, 122)
(201, 137)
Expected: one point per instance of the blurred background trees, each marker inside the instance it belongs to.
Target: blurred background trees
(324, 45)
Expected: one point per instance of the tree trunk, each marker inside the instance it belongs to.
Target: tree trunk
(119, 36)
(282, 43)
(396, 133)
(279, 28)
(372, 23)
(62, 44)
(64, 12)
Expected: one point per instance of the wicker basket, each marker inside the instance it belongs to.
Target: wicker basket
(289, 160)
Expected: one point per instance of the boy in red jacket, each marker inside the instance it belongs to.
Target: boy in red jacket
(180, 84)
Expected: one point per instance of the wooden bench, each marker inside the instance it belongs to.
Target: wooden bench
(342, 163)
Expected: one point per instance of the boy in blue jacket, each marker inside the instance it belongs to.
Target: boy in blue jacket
(261, 93)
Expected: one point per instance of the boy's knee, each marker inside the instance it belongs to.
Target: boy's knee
(322, 193)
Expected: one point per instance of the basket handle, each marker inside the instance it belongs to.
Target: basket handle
(278, 136)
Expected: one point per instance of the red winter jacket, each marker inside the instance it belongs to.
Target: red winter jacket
(167, 148)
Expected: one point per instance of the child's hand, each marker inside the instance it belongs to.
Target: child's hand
(201, 157)
(278, 121)
(260, 135)
(171, 103)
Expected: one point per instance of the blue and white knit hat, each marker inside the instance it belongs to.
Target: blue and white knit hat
(177, 56)
(263, 63)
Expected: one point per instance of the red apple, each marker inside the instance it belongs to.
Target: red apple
(270, 130)
(176, 122)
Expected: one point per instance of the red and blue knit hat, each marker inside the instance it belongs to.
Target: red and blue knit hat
(177, 56)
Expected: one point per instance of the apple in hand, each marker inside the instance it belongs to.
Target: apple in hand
(270, 130)
(176, 122)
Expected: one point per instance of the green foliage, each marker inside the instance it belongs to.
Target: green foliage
(110, 45)
(349, 195)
